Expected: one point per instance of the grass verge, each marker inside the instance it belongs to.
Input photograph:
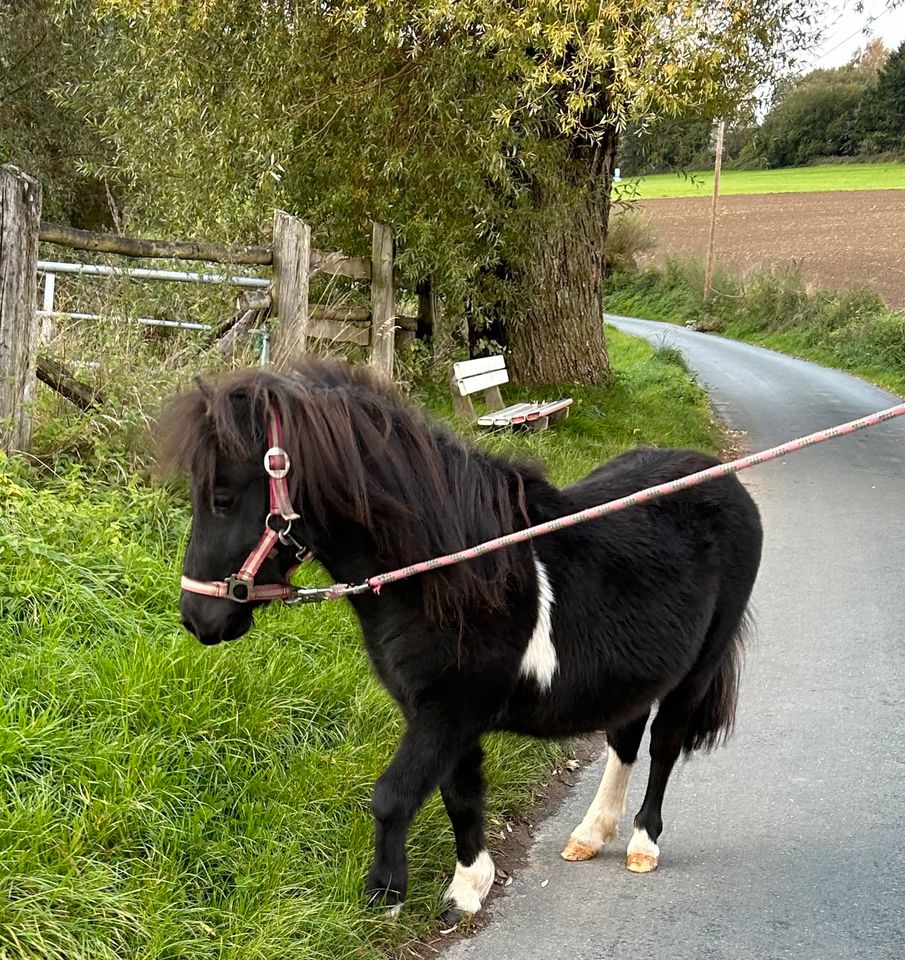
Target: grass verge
(162, 800)
(852, 331)
(825, 177)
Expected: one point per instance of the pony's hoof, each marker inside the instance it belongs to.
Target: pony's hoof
(641, 862)
(575, 850)
(382, 898)
(452, 917)
(643, 855)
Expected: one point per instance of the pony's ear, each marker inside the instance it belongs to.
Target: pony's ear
(207, 392)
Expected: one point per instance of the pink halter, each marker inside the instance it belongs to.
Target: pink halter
(241, 587)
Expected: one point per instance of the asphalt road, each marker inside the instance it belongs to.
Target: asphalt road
(790, 842)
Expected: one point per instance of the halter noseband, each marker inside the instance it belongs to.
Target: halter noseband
(241, 587)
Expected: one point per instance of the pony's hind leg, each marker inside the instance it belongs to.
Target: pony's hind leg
(463, 796)
(667, 735)
(697, 715)
(601, 823)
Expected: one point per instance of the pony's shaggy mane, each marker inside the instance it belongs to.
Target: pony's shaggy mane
(361, 454)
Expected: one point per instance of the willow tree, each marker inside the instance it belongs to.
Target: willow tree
(483, 131)
(37, 133)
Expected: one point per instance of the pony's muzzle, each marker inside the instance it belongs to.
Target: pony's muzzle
(212, 620)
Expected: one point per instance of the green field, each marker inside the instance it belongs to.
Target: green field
(162, 800)
(840, 176)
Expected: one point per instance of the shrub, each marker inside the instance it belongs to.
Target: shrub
(631, 232)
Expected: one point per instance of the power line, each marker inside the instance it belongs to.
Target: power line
(869, 22)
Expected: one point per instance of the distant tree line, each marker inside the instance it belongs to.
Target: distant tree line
(854, 111)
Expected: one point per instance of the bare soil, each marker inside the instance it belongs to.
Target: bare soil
(839, 240)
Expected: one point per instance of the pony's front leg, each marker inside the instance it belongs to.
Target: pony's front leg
(463, 796)
(429, 748)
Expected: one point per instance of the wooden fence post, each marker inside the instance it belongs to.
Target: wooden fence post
(383, 299)
(20, 220)
(291, 263)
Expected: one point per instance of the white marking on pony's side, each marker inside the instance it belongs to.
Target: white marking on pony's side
(471, 884)
(540, 659)
(601, 823)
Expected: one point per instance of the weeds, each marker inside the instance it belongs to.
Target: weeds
(630, 233)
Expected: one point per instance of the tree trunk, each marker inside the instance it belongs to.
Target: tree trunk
(559, 334)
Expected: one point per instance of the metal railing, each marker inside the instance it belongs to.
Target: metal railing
(50, 268)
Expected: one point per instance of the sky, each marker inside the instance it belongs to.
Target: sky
(843, 28)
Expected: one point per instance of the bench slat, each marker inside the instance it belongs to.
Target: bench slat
(517, 413)
(482, 381)
(553, 406)
(523, 413)
(471, 368)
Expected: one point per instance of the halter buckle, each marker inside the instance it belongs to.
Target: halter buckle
(278, 473)
(236, 583)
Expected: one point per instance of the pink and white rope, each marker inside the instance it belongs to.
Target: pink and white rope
(604, 509)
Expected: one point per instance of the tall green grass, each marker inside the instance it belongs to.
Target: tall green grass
(852, 330)
(160, 800)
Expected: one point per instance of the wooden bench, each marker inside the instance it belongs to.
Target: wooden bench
(485, 375)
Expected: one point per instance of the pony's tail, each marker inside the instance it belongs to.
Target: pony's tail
(714, 717)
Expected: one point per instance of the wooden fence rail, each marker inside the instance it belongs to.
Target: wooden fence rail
(153, 249)
(291, 259)
(296, 320)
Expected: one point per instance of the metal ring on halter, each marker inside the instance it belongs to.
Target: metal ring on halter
(280, 533)
(278, 473)
(285, 535)
(288, 540)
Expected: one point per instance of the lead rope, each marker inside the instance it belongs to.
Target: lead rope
(374, 584)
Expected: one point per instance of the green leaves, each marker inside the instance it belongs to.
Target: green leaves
(440, 118)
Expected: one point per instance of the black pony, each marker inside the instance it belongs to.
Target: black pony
(582, 630)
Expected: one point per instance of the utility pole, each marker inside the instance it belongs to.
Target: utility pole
(714, 208)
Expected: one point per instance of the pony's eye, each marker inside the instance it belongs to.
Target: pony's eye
(223, 502)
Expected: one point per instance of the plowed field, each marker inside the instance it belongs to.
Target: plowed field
(840, 239)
